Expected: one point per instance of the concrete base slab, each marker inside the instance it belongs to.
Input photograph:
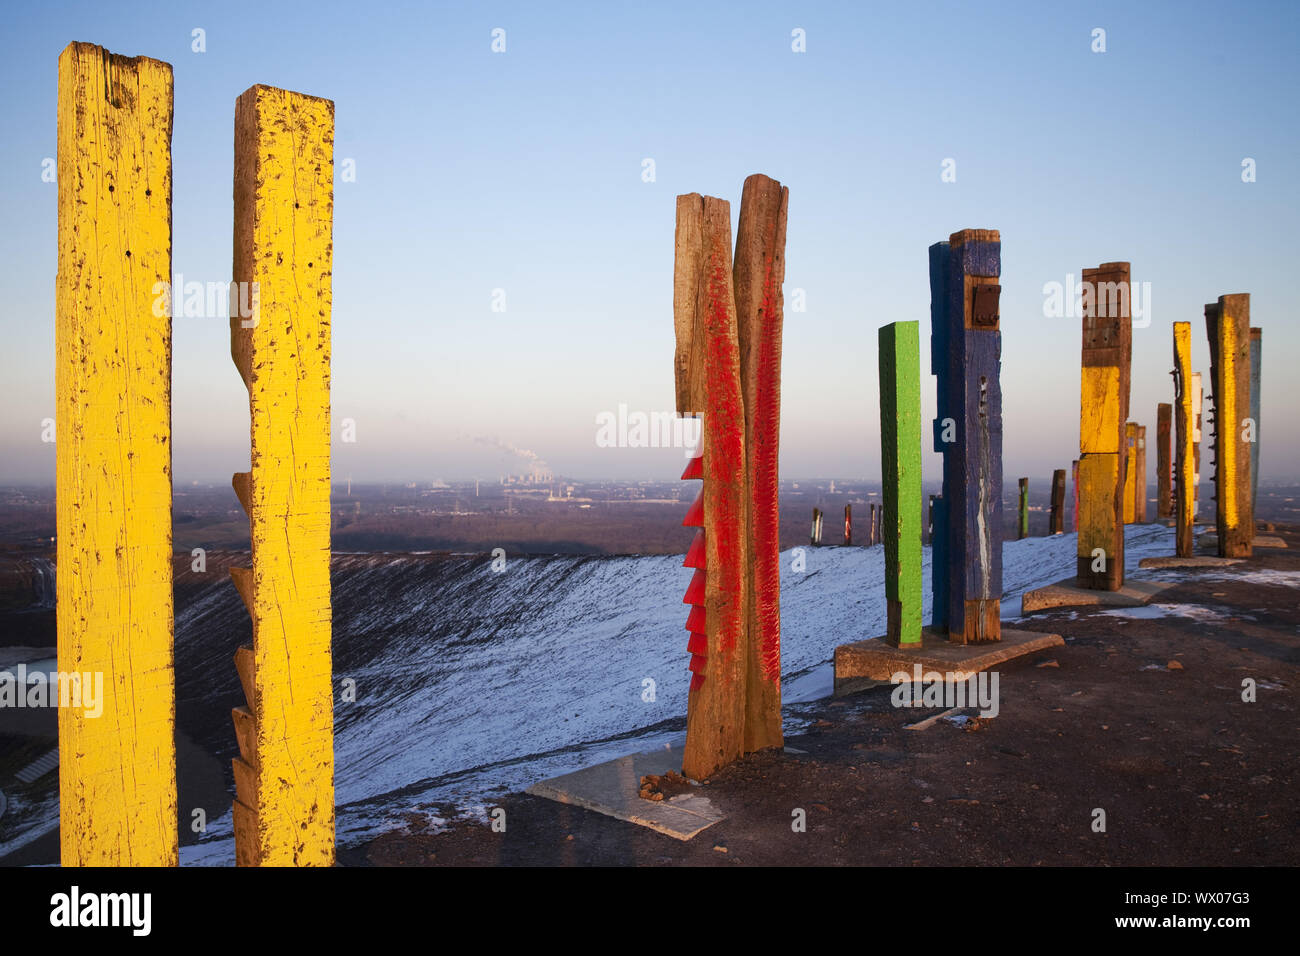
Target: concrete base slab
(869, 663)
(612, 788)
(1210, 541)
(1068, 594)
(1196, 561)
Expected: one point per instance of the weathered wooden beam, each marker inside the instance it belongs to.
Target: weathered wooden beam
(757, 277)
(284, 215)
(1184, 447)
(1139, 470)
(117, 768)
(1107, 358)
(899, 357)
(1130, 497)
(944, 432)
(815, 537)
(1256, 352)
(1056, 522)
(1022, 526)
(968, 351)
(709, 384)
(1164, 497)
(1228, 325)
(1074, 490)
(1198, 409)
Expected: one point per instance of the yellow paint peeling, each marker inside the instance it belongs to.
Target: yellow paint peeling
(1227, 418)
(117, 773)
(1099, 410)
(283, 243)
(1130, 473)
(1098, 476)
(1184, 432)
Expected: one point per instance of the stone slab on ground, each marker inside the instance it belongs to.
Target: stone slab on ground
(1211, 541)
(1068, 594)
(864, 664)
(613, 788)
(1196, 561)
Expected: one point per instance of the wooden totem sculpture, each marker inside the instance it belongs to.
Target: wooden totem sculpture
(1184, 490)
(1056, 521)
(1103, 447)
(1164, 495)
(1022, 515)
(900, 467)
(728, 370)
(1256, 351)
(1198, 410)
(284, 213)
(1228, 325)
(1135, 474)
(966, 357)
(1138, 467)
(117, 768)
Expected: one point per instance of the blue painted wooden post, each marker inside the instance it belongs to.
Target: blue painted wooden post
(939, 254)
(966, 349)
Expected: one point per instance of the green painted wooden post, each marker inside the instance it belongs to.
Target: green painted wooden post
(1023, 531)
(900, 452)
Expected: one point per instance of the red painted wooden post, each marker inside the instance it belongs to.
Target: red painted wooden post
(708, 383)
(728, 368)
(757, 277)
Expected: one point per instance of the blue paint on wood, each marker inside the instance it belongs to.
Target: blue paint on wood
(967, 364)
(940, 254)
(939, 566)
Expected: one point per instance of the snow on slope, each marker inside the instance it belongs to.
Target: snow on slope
(472, 683)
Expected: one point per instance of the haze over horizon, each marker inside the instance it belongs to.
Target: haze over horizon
(519, 178)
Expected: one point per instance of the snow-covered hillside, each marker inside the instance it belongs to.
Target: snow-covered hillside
(470, 683)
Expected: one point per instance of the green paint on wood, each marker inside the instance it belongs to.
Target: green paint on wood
(1024, 509)
(900, 452)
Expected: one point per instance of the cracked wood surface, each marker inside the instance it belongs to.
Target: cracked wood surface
(117, 773)
(284, 168)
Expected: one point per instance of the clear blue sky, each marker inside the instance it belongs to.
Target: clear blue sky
(523, 171)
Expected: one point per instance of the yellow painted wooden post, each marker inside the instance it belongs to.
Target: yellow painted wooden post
(284, 212)
(1103, 449)
(1130, 472)
(1184, 455)
(1228, 326)
(117, 770)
